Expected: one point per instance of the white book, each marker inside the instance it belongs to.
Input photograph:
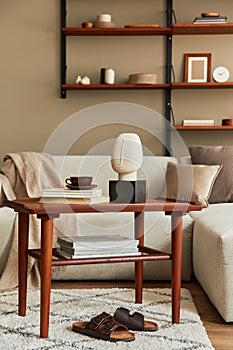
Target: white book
(209, 22)
(93, 251)
(187, 122)
(71, 256)
(67, 200)
(67, 190)
(63, 192)
(98, 241)
(211, 19)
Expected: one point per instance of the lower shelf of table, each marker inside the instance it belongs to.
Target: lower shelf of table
(147, 254)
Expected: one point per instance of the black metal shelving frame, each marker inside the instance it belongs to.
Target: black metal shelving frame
(168, 31)
(63, 48)
(166, 87)
(168, 78)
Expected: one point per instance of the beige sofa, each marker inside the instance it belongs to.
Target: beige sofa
(213, 255)
(207, 248)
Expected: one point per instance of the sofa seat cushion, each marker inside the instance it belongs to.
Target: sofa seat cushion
(213, 255)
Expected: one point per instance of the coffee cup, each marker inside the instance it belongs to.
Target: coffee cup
(78, 180)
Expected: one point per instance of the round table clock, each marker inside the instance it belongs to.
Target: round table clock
(221, 74)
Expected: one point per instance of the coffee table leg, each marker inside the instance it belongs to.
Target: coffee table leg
(23, 229)
(46, 271)
(139, 234)
(176, 264)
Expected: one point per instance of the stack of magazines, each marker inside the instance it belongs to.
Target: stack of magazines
(64, 195)
(210, 19)
(76, 247)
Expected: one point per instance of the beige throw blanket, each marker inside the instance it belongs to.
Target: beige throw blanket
(26, 174)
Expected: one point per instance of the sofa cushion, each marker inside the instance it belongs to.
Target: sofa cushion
(213, 255)
(223, 186)
(191, 183)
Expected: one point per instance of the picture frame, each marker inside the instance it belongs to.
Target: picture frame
(197, 67)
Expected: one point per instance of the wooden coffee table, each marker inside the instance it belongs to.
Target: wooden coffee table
(48, 256)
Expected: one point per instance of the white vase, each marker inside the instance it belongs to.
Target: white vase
(109, 76)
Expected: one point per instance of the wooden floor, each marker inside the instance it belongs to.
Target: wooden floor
(219, 332)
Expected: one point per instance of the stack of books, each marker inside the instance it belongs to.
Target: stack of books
(76, 247)
(64, 195)
(210, 20)
(197, 122)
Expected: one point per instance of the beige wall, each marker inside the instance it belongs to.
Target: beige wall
(31, 108)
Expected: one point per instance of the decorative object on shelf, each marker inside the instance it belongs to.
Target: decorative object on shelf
(78, 79)
(127, 157)
(210, 17)
(142, 26)
(143, 78)
(109, 76)
(87, 25)
(104, 25)
(221, 74)
(197, 67)
(210, 20)
(102, 75)
(210, 14)
(83, 81)
(104, 21)
(227, 122)
(199, 122)
(104, 18)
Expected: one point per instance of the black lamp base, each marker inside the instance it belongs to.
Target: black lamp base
(127, 191)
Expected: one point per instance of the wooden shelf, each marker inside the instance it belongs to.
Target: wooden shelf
(188, 28)
(175, 86)
(114, 86)
(168, 32)
(115, 31)
(209, 85)
(202, 127)
(147, 254)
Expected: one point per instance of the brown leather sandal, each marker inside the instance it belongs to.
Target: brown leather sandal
(104, 327)
(135, 321)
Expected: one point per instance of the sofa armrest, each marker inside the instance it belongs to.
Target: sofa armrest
(7, 218)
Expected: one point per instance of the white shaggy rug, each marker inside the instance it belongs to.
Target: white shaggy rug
(71, 305)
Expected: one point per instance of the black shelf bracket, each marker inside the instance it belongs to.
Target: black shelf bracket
(168, 78)
(63, 48)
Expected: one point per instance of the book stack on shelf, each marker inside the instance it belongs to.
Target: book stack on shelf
(210, 18)
(65, 195)
(197, 122)
(77, 247)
